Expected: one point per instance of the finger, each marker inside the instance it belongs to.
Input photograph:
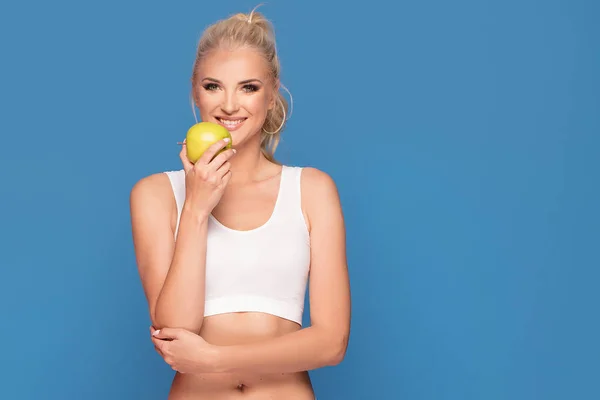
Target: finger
(185, 161)
(152, 330)
(212, 150)
(221, 158)
(166, 333)
(225, 179)
(187, 164)
(224, 169)
(160, 345)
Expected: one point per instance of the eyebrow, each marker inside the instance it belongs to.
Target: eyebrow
(239, 83)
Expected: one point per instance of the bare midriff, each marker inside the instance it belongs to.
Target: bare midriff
(242, 328)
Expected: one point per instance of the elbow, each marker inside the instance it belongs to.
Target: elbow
(153, 319)
(158, 318)
(337, 347)
(168, 320)
(157, 322)
(191, 326)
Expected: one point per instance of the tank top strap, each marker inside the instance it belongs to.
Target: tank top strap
(177, 179)
(289, 201)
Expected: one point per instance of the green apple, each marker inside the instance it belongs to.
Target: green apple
(201, 136)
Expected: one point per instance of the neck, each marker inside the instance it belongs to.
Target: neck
(248, 164)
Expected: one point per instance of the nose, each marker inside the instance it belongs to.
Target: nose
(230, 103)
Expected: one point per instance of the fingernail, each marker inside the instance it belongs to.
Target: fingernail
(226, 140)
(156, 333)
(234, 151)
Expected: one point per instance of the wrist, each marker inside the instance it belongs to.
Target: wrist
(190, 212)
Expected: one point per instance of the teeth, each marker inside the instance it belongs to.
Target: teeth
(231, 122)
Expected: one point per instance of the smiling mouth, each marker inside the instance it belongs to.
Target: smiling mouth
(231, 124)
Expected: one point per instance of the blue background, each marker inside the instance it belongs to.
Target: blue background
(464, 139)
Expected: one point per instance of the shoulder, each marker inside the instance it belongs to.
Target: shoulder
(320, 197)
(317, 183)
(153, 189)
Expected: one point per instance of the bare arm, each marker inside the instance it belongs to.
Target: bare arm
(172, 272)
(324, 343)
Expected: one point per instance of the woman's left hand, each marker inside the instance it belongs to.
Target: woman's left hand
(185, 351)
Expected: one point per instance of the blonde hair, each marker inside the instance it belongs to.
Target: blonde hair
(251, 30)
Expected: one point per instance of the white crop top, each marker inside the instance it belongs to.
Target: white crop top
(263, 269)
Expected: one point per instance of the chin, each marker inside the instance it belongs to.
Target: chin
(243, 137)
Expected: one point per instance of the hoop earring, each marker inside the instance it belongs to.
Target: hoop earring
(282, 122)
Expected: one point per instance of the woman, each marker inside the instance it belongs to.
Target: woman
(225, 246)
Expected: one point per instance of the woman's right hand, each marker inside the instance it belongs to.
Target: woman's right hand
(205, 181)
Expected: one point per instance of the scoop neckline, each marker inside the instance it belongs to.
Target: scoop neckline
(271, 217)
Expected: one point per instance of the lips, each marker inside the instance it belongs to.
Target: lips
(231, 124)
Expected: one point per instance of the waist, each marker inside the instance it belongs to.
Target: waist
(243, 328)
(247, 386)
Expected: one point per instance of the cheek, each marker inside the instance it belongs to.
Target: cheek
(258, 105)
(207, 103)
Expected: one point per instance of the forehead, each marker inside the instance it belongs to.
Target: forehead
(233, 65)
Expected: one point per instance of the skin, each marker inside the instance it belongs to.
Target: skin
(237, 355)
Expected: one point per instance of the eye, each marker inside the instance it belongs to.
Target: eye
(211, 86)
(250, 88)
